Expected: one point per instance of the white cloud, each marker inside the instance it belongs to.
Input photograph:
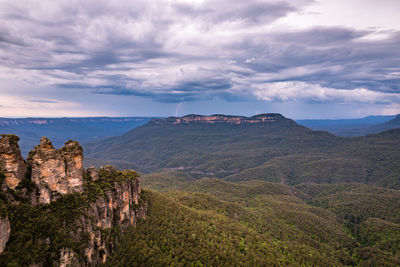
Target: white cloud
(360, 14)
(302, 91)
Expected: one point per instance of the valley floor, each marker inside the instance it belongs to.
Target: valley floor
(210, 222)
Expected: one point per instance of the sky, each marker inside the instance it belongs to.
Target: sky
(305, 59)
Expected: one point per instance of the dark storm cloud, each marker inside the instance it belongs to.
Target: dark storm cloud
(195, 51)
(185, 91)
(252, 12)
(7, 38)
(332, 57)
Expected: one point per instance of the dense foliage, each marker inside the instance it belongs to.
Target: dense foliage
(200, 230)
(310, 224)
(43, 231)
(371, 214)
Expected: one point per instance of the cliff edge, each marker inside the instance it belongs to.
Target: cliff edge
(219, 118)
(67, 215)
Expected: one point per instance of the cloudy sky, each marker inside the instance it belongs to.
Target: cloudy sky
(304, 59)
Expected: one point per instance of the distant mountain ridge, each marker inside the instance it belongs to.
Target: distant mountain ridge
(60, 130)
(42, 121)
(271, 148)
(352, 127)
(220, 118)
(391, 124)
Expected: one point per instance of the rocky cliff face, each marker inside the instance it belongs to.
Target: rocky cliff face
(4, 233)
(261, 118)
(56, 172)
(119, 206)
(11, 162)
(73, 158)
(115, 205)
(109, 200)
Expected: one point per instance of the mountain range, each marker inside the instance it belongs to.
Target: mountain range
(93, 129)
(354, 127)
(60, 130)
(268, 147)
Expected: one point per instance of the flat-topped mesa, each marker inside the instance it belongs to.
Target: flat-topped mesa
(56, 172)
(11, 161)
(218, 118)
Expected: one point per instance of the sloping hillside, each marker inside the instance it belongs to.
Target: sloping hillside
(240, 148)
(219, 148)
(215, 222)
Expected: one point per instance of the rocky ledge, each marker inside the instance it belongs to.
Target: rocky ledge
(85, 211)
(261, 118)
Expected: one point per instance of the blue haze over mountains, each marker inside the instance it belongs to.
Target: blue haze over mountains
(60, 130)
(354, 127)
(90, 129)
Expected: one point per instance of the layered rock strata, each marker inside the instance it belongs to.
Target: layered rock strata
(261, 118)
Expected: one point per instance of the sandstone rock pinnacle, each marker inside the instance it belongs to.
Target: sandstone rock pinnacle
(56, 172)
(73, 157)
(11, 161)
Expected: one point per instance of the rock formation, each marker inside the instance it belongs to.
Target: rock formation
(117, 201)
(4, 233)
(56, 172)
(67, 258)
(110, 198)
(73, 158)
(92, 173)
(261, 118)
(118, 207)
(11, 162)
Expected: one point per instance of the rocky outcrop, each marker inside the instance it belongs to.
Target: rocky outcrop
(4, 232)
(11, 162)
(109, 199)
(73, 158)
(261, 118)
(92, 173)
(67, 258)
(56, 172)
(118, 207)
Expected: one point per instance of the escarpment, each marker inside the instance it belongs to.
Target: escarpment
(67, 215)
(218, 118)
